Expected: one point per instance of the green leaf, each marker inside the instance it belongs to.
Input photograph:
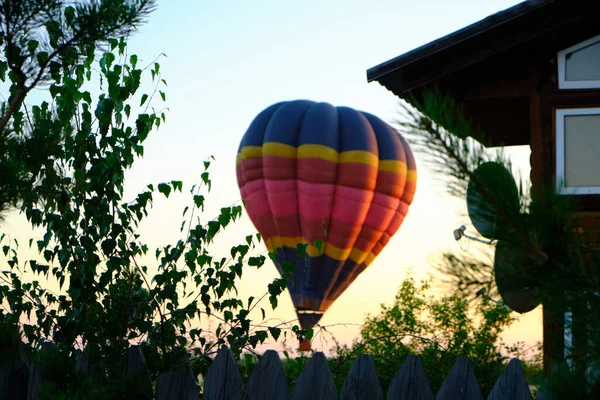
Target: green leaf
(42, 58)
(319, 245)
(301, 247)
(177, 185)
(162, 95)
(164, 188)
(199, 201)
(69, 14)
(275, 332)
(3, 69)
(32, 45)
(144, 98)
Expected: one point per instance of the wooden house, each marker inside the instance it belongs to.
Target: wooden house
(528, 75)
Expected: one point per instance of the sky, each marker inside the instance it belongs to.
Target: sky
(225, 61)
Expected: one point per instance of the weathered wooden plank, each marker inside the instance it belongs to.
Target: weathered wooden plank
(512, 384)
(14, 374)
(268, 380)
(135, 363)
(315, 382)
(90, 364)
(460, 383)
(362, 382)
(177, 383)
(223, 379)
(560, 372)
(410, 383)
(136, 371)
(36, 377)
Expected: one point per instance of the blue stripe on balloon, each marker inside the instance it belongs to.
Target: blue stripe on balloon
(286, 122)
(256, 131)
(320, 126)
(388, 140)
(355, 131)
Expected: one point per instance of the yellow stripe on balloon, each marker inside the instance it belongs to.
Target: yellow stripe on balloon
(411, 175)
(249, 152)
(359, 157)
(279, 150)
(318, 151)
(396, 166)
(369, 259)
(352, 253)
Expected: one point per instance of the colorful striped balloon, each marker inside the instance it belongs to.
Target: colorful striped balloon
(311, 171)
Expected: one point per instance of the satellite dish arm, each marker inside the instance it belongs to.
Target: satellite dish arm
(460, 233)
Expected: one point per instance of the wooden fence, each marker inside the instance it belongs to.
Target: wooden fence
(19, 380)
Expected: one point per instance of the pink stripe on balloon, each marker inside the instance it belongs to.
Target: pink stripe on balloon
(351, 205)
(282, 197)
(382, 211)
(315, 200)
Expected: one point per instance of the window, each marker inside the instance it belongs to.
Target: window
(579, 65)
(578, 150)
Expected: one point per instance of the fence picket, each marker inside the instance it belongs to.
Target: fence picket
(136, 371)
(178, 383)
(362, 382)
(268, 380)
(90, 364)
(35, 374)
(560, 373)
(512, 384)
(410, 383)
(315, 382)
(460, 383)
(223, 379)
(20, 380)
(14, 375)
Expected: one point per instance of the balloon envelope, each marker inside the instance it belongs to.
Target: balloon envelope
(334, 178)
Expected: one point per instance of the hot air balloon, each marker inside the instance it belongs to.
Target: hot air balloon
(313, 173)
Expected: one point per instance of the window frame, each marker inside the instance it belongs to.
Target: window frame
(562, 67)
(559, 141)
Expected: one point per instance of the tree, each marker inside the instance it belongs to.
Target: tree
(41, 39)
(65, 160)
(438, 330)
(549, 251)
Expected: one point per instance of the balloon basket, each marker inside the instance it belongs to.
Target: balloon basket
(304, 346)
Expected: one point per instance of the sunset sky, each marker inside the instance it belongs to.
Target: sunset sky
(228, 60)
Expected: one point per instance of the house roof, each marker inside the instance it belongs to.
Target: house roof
(469, 45)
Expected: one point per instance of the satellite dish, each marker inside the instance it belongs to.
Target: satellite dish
(498, 184)
(515, 277)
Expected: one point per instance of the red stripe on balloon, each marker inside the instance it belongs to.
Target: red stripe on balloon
(390, 183)
(409, 192)
(252, 169)
(316, 170)
(361, 176)
(382, 210)
(288, 225)
(279, 168)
